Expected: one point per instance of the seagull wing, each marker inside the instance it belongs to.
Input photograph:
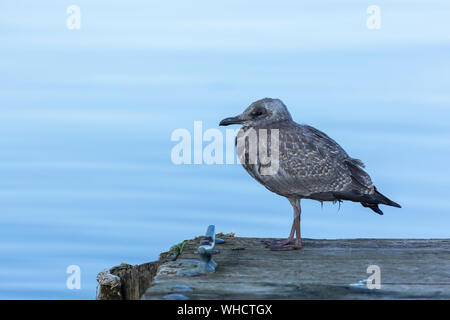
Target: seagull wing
(311, 162)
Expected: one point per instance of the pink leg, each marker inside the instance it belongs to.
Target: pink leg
(298, 209)
(285, 245)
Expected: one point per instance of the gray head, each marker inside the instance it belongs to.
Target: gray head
(260, 112)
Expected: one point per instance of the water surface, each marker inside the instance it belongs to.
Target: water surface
(86, 117)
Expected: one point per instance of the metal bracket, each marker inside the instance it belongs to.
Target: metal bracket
(206, 251)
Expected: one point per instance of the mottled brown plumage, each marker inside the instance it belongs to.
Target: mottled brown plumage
(311, 164)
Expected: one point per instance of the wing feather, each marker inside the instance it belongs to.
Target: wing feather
(311, 163)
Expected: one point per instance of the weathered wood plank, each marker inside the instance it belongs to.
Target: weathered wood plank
(134, 280)
(323, 269)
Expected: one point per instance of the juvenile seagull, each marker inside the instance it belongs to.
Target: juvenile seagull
(311, 165)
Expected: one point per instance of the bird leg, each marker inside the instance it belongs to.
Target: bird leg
(288, 244)
(280, 243)
(298, 242)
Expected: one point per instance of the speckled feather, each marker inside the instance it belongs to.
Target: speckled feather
(311, 164)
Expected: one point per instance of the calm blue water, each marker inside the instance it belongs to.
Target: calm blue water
(86, 116)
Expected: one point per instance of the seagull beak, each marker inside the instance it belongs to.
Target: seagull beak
(231, 120)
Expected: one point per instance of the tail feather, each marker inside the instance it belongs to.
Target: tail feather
(384, 200)
(367, 200)
(372, 206)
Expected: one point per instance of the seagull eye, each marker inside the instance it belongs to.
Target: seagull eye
(257, 113)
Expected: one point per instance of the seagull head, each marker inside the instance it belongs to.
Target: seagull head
(264, 111)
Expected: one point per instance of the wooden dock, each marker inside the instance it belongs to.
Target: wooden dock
(322, 269)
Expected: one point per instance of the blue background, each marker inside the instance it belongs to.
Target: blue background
(86, 117)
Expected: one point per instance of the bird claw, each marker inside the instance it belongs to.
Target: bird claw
(285, 247)
(282, 245)
(277, 242)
